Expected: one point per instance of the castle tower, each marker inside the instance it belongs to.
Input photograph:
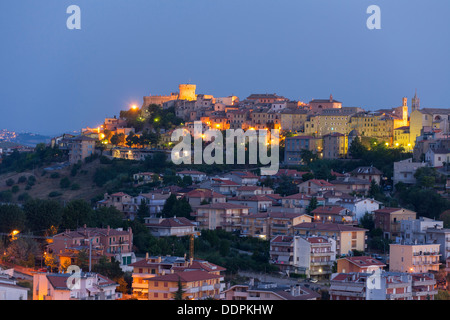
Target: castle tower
(405, 111)
(187, 92)
(415, 103)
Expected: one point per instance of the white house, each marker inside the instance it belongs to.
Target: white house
(196, 176)
(359, 206)
(81, 286)
(178, 227)
(437, 157)
(9, 290)
(155, 201)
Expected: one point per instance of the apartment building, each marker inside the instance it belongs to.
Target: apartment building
(335, 145)
(358, 264)
(389, 220)
(88, 286)
(196, 285)
(153, 266)
(333, 214)
(269, 224)
(404, 171)
(312, 256)
(380, 285)
(226, 216)
(80, 148)
(314, 186)
(413, 258)
(112, 243)
(348, 238)
(267, 291)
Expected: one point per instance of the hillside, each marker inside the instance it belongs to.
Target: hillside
(45, 183)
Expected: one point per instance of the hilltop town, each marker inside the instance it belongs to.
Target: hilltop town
(358, 210)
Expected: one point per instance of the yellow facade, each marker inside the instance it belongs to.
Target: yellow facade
(187, 92)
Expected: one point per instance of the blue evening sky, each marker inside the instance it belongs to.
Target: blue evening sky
(54, 80)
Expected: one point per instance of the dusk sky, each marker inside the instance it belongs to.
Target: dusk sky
(55, 80)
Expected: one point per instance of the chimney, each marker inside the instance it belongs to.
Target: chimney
(107, 230)
(146, 256)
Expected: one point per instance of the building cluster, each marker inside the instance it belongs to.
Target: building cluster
(304, 240)
(322, 126)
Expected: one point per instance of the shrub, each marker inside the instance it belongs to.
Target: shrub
(64, 183)
(75, 186)
(54, 175)
(54, 194)
(22, 179)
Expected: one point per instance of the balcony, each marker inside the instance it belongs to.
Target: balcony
(321, 254)
(394, 296)
(281, 253)
(320, 263)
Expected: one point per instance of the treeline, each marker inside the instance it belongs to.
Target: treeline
(22, 161)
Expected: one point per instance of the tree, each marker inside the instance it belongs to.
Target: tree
(82, 260)
(9, 182)
(107, 216)
(426, 177)
(187, 181)
(374, 189)
(64, 183)
(357, 150)
(308, 156)
(110, 269)
(76, 213)
(178, 295)
(12, 218)
(169, 205)
(312, 205)
(143, 211)
(23, 251)
(42, 214)
(367, 221)
(286, 187)
(307, 176)
(51, 261)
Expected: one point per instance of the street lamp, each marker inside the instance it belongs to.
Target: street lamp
(14, 233)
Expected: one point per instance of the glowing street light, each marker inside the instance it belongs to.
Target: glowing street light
(14, 233)
(134, 107)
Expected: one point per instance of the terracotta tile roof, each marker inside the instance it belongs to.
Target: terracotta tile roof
(298, 196)
(244, 174)
(186, 276)
(320, 183)
(191, 172)
(173, 223)
(258, 197)
(276, 215)
(119, 194)
(387, 210)
(201, 265)
(327, 227)
(364, 261)
(204, 193)
(224, 205)
(329, 210)
(224, 182)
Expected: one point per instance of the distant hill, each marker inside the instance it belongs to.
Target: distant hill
(30, 139)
